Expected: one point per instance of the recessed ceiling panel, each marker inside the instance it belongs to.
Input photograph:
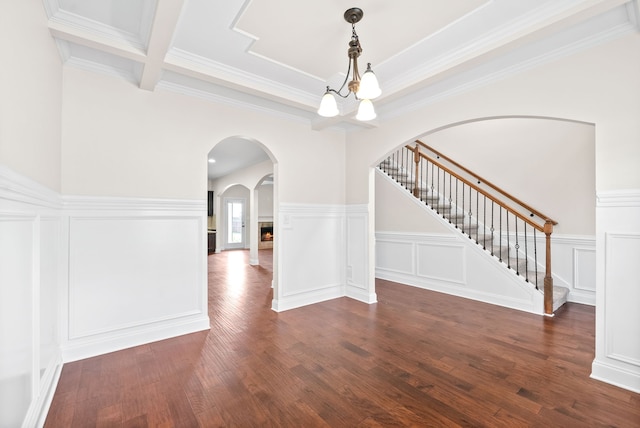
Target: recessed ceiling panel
(314, 38)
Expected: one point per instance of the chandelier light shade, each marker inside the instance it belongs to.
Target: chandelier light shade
(365, 88)
(366, 110)
(328, 105)
(369, 87)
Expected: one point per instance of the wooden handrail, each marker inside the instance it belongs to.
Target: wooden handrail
(488, 183)
(504, 205)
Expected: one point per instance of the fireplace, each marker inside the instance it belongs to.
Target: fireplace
(266, 232)
(265, 228)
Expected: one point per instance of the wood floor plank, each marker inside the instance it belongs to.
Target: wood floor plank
(415, 358)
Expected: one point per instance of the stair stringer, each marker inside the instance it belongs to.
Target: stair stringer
(483, 277)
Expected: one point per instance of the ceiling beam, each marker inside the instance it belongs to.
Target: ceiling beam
(163, 29)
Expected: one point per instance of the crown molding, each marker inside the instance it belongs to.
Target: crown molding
(71, 23)
(521, 30)
(91, 66)
(224, 74)
(231, 101)
(580, 44)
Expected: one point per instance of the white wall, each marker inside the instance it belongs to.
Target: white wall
(30, 224)
(155, 144)
(265, 201)
(31, 94)
(598, 86)
(395, 212)
(549, 164)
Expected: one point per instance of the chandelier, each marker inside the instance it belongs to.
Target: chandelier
(364, 88)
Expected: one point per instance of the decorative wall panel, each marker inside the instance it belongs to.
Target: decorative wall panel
(312, 255)
(137, 272)
(30, 270)
(617, 358)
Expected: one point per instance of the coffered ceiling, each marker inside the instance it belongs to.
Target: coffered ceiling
(279, 55)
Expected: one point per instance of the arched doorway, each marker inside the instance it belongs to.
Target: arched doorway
(242, 174)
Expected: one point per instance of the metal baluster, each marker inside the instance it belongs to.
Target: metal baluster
(492, 225)
(450, 198)
(535, 256)
(500, 234)
(508, 242)
(454, 212)
(438, 183)
(484, 223)
(478, 215)
(526, 253)
(517, 247)
(470, 212)
(462, 222)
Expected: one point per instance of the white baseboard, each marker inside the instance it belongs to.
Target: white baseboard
(117, 340)
(616, 376)
(361, 295)
(39, 408)
(308, 298)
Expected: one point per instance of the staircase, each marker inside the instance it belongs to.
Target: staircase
(506, 228)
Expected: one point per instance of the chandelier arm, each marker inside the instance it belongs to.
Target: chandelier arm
(339, 91)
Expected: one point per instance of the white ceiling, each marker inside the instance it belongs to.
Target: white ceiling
(278, 56)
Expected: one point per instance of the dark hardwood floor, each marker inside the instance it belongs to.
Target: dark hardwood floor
(416, 358)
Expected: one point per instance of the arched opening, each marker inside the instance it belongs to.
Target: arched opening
(242, 184)
(547, 162)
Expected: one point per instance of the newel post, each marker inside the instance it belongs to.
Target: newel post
(416, 159)
(548, 279)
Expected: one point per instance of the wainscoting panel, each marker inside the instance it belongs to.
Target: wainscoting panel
(358, 281)
(584, 273)
(17, 277)
(30, 361)
(453, 265)
(312, 255)
(128, 272)
(50, 263)
(441, 262)
(395, 255)
(137, 273)
(618, 290)
(621, 301)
